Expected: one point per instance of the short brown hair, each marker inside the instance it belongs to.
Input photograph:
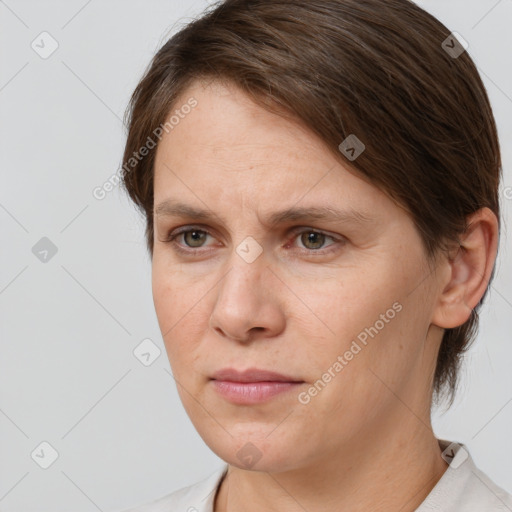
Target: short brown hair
(378, 69)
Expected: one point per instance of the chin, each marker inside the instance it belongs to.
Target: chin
(257, 453)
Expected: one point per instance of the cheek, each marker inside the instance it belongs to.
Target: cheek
(364, 319)
(346, 304)
(180, 313)
(379, 331)
(174, 295)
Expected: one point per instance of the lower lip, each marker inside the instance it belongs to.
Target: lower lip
(252, 392)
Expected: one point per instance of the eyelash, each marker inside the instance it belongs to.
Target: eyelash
(171, 238)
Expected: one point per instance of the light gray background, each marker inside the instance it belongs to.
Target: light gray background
(69, 326)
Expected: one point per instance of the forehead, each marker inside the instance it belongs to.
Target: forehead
(230, 150)
(226, 124)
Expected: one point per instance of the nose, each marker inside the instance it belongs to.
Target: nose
(247, 304)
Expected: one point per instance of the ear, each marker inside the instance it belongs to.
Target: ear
(469, 269)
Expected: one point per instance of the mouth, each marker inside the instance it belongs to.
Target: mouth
(253, 385)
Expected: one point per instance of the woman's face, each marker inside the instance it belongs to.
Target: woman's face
(346, 313)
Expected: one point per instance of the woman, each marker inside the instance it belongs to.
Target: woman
(320, 186)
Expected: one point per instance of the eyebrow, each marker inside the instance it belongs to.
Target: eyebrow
(170, 208)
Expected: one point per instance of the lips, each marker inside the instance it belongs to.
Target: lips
(252, 386)
(252, 375)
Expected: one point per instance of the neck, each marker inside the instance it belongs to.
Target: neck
(384, 470)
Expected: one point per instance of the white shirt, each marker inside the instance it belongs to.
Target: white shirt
(462, 488)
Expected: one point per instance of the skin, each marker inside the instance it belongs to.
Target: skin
(365, 441)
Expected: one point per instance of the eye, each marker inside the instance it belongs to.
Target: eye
(314, 241)
(194, 238)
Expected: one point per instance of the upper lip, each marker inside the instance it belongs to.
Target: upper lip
(252, 375)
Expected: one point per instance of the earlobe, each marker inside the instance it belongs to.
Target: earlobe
(469, 269)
